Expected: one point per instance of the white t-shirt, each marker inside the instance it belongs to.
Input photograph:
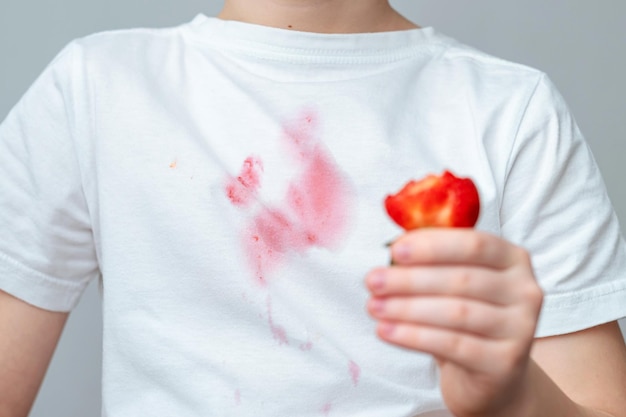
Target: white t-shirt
(226, 181)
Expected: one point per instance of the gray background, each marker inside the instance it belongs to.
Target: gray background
(581, 44)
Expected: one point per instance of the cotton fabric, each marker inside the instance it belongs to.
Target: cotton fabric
(225, 182)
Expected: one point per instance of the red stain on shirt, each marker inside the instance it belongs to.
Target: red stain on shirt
(355, 372)
(318, 199)
(300, 134)
(266, 242)
(278, 332)
(242, 189)
(314, 211)
(326, 408)
(274, 228)
(307, 346)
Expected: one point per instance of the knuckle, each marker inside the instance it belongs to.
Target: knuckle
(492, 325)
(513, 357)
(460, 315)
(476, 244)
(526, 323)
(409, 336)
(456, 345)
(414, 280)
(461, 282)
(538, 297)
(428, 250)
(531, 327)
(523, 256)
(533, 295)
(464, 349)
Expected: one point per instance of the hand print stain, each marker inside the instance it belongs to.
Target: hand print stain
(313, 213)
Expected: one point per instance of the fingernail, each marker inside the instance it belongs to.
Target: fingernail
(377, 305)
(401, 251)
(377, 281)
(386, 329)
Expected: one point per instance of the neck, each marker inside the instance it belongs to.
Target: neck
(322, 16)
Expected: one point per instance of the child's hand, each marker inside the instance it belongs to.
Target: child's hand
(471, 300)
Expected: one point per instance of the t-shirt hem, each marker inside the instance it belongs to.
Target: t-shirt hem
(576, 311)
(38, 289)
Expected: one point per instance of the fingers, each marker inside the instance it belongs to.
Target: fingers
(463, 296)
(471, 352)
(479, 301)
(475, 283)
(455, 314)
(456, 247)
(460, 316)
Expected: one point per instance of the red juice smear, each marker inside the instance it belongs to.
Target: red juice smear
(305, 347)
(314, 212)
(315, 209)
(300, 132)
(275, 229)
(242, 189)
(355, 372)
(319, 200)
(265, 243)
(278, 332)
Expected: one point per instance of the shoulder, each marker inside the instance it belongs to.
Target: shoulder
(115, 61)
(484, 73)
(497, 91)
(105, 49)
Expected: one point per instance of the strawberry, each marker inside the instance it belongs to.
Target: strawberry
(435, 201)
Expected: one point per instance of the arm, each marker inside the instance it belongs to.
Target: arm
(471, 300)
(28, 337)
(588, 366)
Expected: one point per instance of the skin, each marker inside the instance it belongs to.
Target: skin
(471, 300)
(322, 16)
(483, 340)
(29, 337)
(481, 288)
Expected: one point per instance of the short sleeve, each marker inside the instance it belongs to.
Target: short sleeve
(47, 254)
(556, 206)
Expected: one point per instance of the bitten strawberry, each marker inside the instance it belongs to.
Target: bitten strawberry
(435, 201)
